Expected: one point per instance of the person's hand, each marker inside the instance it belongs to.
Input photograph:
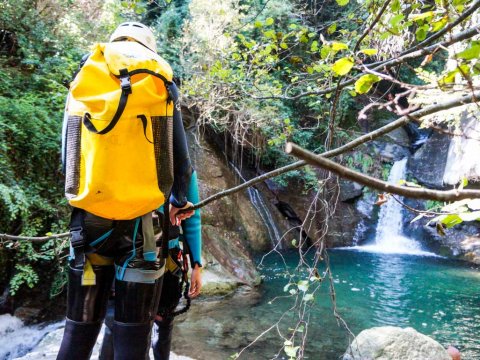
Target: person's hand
(195, 282)
(176, 218)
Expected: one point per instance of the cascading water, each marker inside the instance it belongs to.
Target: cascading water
(16, 339)
(259, 204)
(389, 236)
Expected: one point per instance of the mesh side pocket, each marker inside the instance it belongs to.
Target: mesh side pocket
(72, 168)
(163, 145)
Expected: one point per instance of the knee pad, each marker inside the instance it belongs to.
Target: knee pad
(88, 303)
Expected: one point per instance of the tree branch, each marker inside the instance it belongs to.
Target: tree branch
(374, 183)
(475, 30)
(33, 238)
(370, 27)
(446, 29)
(428, 110)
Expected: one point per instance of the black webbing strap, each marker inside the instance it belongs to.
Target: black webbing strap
(126, 90)
(77, 237)
(144, 120)
(166, 229)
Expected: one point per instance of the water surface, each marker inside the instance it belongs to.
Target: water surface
(437, 297)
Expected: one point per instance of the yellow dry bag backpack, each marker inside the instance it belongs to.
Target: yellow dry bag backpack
(119, 161)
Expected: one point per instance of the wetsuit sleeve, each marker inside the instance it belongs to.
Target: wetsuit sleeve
(192, 227)
(182, 167)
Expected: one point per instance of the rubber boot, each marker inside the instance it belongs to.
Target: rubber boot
(162, 339)
(78, 340)
(106, 351)
(131, 340)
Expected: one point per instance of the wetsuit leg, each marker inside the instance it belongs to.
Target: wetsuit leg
(162, 329)
(162, 339)
(86, 309)
(135, 309)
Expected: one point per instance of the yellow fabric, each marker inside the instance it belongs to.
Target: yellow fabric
(100, 260)
(171, 265)
(118, 176)
(88, 277)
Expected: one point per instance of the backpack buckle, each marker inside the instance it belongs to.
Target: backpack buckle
(77, 237)
(125, 83)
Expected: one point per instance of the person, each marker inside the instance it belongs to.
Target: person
(112, 250)
(190, 235)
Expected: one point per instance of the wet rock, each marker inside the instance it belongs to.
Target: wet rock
(27, 314)
(390, 151)
(389, 343)
(427, 165)
(48, 347)
(350, 190)
(231, 228)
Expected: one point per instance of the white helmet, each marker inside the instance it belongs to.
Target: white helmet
(136, 31)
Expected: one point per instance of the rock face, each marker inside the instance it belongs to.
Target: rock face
(393, 343)
(428, 163)
(231, 230)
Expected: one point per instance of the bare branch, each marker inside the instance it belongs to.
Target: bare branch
(370, 27)
(33, 238)
(374, 183)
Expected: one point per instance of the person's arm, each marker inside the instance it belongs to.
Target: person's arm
(182, 166)
(192, 234)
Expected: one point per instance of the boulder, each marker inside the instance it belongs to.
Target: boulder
(394, 343)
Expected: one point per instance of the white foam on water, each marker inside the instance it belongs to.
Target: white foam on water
(16, 339)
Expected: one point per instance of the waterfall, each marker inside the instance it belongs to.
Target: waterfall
(259, 204)
(389, 236)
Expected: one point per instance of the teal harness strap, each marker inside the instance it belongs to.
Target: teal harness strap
(149, 245)
(121, 270)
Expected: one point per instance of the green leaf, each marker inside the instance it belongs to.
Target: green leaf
(394, 21)
(283, 45)
(369, 52)
(337, 46)
(292, 26)
(269, 21)
(343, 2)
(270, 34)
(258, 24)
(365, 83)
(308, 297)
(472, 52)
(314, 46)
(451, 220)
(395, 5)
(342, 66)
(421, 33)
(302, 285)
(331, 29)
(440, 24)
(422, 16)
(290, 350)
